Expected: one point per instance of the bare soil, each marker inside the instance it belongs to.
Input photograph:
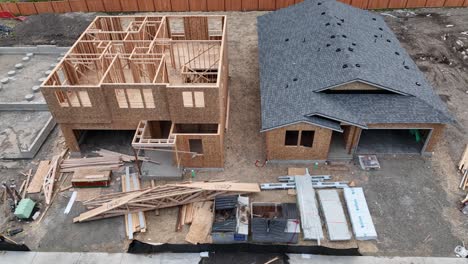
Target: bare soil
(412, 199)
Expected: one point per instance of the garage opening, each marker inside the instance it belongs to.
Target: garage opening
(392, 141)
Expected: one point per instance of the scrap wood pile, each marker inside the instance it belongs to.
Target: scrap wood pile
(157, 197)
(463, 168)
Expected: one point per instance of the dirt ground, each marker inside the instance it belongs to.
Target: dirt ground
(412, 199)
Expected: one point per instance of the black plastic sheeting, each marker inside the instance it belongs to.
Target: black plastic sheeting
(5, 245)
(138, 247)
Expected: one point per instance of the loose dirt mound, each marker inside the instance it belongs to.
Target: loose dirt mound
(58, 29)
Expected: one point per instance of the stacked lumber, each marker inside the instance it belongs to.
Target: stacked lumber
(163, 196)
(123, 157)
(98, 163)
(90, 177)
(134, 222)
(463, 167)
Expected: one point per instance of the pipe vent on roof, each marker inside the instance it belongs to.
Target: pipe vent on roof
(406, 67)
(418, 83)
(354, 44)
(358, 65)
(339, 24)
(328, 45)
(286, 40)
(389, 41)
(345, 66)
(351, 49)
(319, 3)
(332, 36)
(344, 36)
(323, 13)
(397, 53)
(375, 19)
(338, 50)
(381, 29)
(295, 80)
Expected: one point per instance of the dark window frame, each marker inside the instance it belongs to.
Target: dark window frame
(290, 138)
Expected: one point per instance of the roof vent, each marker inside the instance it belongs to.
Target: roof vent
(342, 20)
(286, 40)
(295, 79)
(304, 40)
(332, 36)
(375, 36)
(287, 86)
(323, 13)
(345, 66)
(338, 50)
(327, 24)
(351, 49)
(397, 53)
(407, 67)
(389, 41)
(358, 65)
(375, 19)
(418, 83)
(381, 29)
(354, 44)
(319, 3)
(344, 36)
(328, 45)
(339, 24)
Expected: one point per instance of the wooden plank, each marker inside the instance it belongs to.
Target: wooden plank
(95, 6)
(435, 3)
(112, 5)
(378, 4)
(452, 3)
(283, 3)
(233, 5)
(130, 5)
(26, 9)
(249, 5)
(222, 186)
(360, 3)
(198, 5)
(61, 6)
(38, 179)
(180, 5)
(145, 5)
(162, 5)
(78, 5)
(43, 7)
(201, 225)
(215, 5)
(397, 3)
(26, 184)
(266, 5)
(415, 3)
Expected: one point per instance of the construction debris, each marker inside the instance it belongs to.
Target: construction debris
(90, 177)
(98, 163)
(38, 179)
(134, 222)
(369, 162)
(231, 219)
(463, 168)
(163, 196)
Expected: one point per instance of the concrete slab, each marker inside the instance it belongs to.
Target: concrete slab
(17, 257)
(306, 259)
(163, 258)
(394, 141)
(95, 258)
(165, 170)
(56, 257)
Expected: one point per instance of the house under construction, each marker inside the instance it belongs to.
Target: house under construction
(163, 76)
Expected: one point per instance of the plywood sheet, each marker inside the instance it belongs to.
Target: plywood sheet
(112, 5)
(10, 7)
(283, 3)
(27, 9)
(378, 4)
(201, 224)
(397, 3)
(95, 5)
(78, 6)
(145, 5)
(249, 5)
(84, 194)
(233, 5)
(43, 7)
(215, 5)
(453, 3)
(36, 184)
(180, 5)
(162, 5)
(61, 6)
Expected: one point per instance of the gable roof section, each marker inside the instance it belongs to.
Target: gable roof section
(321, 44)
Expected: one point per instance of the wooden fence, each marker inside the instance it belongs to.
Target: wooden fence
(31, 8)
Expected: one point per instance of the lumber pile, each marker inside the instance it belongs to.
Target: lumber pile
(98, 163)
(90, 177)
(463, 168)
(170, 195)
(134, 222)
(123, 157)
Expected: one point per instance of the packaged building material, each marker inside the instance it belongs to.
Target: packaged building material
(231, 221)
(358, 211)
(335, 219)
(310, 219)
(24, 208)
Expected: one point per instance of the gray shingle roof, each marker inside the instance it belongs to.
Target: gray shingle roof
(319, 44)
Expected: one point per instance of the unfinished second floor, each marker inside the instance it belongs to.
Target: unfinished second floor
(124, 69)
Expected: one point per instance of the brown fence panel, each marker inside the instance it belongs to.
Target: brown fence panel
(11, 7)
(378, 4)
(112, 5)
(298, 1)
(453, 3)
(144, 5)
(95, 6)
(27, 9)
(360, 3)
(266, 5)
(215, 5)
(397, 3)
(180, 5)
(466, 3)
(61, 6)
(283, 3)
(162, 5)
(249, 5)
(129, 5)
(416, 3)
(43, 7)
(345, 1)
(78, 5)
(435, 3)
(198, 5)
(233, 5)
